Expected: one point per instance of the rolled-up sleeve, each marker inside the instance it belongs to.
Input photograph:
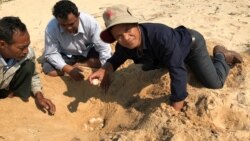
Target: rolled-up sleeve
(36, 85)
(102, 48)
(51, 52)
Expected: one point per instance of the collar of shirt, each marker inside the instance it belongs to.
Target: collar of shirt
(6, 65)
(3, 61)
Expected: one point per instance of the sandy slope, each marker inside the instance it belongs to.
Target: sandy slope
(136, 106)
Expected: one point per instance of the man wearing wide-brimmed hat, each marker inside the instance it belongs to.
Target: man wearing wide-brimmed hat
(158, 46)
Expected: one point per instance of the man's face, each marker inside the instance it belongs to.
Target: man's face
(18, 49)
(70, 25)
(127, 35)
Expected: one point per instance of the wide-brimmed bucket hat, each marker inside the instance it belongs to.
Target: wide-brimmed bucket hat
(117, 14)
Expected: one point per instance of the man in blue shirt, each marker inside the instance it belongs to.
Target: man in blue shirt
(159, 46)
(72, 38)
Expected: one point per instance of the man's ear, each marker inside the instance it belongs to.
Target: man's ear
(2, 44)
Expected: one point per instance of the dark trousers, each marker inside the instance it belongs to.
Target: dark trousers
(21, 82)
(211, 73)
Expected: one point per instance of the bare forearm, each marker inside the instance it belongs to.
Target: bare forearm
(39, 95)
(67, 69)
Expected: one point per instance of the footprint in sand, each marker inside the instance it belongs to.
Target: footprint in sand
(241, 98)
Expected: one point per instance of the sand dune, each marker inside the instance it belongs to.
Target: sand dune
(136, 107)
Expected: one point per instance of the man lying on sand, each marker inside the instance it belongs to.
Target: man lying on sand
(158, 46)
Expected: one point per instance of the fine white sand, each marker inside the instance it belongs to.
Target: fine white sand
(136, 107)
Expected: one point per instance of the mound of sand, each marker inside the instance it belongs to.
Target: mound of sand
(136, 107)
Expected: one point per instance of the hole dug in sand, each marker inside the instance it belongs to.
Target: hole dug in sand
(136, 108)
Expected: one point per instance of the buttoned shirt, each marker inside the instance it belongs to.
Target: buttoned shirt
(58, 41)
(163, 47)
(7, 72)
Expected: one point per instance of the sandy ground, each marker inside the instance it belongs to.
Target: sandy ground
(136, 106)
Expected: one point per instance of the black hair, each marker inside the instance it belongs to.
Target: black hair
(8, 26)
(63, 8)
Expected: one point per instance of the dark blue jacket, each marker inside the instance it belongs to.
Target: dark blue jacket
(164, 47)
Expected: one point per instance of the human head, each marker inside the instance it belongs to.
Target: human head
(14, 38)
(67, 15)
(119, 21)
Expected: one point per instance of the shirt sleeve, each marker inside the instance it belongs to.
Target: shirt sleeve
(178, 76)
(118, 58)
(35, 82)
(51, 52)
(102, 48)
(177, 70)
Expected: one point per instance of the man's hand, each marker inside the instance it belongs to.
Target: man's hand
(74, 72)
(103, 75)
(45, 103)
(178, 105)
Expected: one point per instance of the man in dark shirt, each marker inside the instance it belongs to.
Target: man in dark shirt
(159, 46)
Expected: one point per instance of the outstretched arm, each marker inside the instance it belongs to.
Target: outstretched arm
(103, 75)
(45, 103)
